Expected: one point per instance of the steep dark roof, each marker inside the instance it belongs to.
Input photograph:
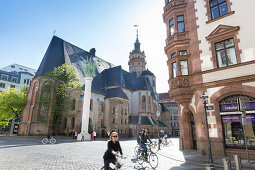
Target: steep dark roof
(116, 92)
(142, 120)
(147, 73)
(61, 52)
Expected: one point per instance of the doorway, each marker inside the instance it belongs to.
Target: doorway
(193, 132)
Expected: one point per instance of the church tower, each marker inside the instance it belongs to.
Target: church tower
(137, 62)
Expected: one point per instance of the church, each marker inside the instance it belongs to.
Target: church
(121, 101)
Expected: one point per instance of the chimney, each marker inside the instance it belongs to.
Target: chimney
(92, 51)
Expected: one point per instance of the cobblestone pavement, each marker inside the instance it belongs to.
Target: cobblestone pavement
(28, 153)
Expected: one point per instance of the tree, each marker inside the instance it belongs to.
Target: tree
(12, 102)
(61, 81)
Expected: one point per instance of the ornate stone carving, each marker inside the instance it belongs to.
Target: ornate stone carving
(179, 82)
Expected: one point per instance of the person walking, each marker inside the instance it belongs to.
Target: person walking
(113, 147)
(75, 135)
(94, 134)
(82, 136)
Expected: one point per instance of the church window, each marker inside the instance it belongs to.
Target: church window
(73, 104)
(91, 104)
(143, 104)
(72, 122)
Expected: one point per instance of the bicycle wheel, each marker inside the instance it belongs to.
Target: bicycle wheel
(140, 157)
(44, 141)
(52, 141)
(102, 168)
(153, 159)
(136, 150)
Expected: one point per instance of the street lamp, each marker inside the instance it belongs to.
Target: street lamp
(204, 97)
(158, 115)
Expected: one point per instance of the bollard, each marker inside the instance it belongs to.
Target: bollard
(238, 162)
(209, 166)
(226, 163)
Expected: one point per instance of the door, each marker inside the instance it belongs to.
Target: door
(193, 130)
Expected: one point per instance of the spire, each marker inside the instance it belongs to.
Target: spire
(137, 43)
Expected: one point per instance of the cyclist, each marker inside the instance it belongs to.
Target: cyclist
(111, 152)
(144, 139)
(140, 136)
(50, 135)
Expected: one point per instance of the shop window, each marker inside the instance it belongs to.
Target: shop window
(225, 52)
(184, 67)
(171, 27)
(218, 8)
(180, 24)
(174, 70)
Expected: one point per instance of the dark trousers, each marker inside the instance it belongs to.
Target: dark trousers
(94, 138)
(106, 164)
(144, 148)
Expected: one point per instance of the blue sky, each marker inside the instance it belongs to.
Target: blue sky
(27, 26)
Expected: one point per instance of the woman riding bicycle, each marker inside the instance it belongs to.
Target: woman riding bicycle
(111, 152)
(144, 139)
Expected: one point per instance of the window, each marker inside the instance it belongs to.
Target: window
(218, 8)
(72, 122)
(173, 55)
(154, 84)
(122, 111)
(121, 121)
(102, 107)
(2, 85)
(171, 27)
(143, 104)
(225, 52)
(4, 77)
(184, 67)
(91, 105)
(25, 80)
(139, 57)
(183, 52)
(73, 104)
(180, 23)
(113, 110)
(125, 111)
(14, 79)
(13, 86)
(113, 121)
(174, 68)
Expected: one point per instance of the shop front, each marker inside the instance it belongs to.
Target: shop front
(233, 132)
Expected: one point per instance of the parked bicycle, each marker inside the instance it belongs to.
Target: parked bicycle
(152, 157)
(49, 140)
(118, 164)
(166, 143)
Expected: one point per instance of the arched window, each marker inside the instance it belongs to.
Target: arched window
(91, 104)
(73, 104)
(113, 110)
(149, 104)
(72, 122)
(143, 104)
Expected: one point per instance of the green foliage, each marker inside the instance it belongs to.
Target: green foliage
(12, 102)
(89, 67)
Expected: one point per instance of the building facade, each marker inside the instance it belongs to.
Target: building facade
(15, 76)
(121, 101)
(170, 114)
(210, 48)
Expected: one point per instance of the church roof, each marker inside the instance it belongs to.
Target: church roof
(147, 73)
(62, 52)
(116, 92)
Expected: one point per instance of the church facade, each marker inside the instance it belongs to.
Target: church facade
(121, 101)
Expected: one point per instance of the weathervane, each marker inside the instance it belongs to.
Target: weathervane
(136, 28)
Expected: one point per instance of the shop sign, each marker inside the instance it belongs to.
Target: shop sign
(210, 107)
(234, 106)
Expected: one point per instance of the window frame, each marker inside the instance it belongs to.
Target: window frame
(173, 70)
(186, 68)
(180, 22)
(170, 25)
(225, 51)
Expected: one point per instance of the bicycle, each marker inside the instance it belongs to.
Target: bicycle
(152, 157)
(47, 140)
(136, 149)
(166, 143)
(118, 164)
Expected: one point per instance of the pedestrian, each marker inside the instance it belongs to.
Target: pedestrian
(94, 134)
(108, 134)
(75, 135)
(82, 136)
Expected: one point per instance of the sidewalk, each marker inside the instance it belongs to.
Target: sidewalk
(191, 157)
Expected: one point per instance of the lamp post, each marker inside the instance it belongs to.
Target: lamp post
(158, 115)
(204, 97)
